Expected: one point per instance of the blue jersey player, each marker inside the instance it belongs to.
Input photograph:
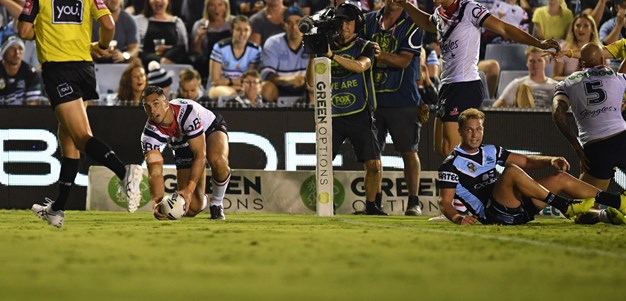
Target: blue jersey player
(469, 175)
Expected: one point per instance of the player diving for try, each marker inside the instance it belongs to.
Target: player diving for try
(195, 134)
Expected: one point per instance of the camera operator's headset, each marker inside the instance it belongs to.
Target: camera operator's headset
(360, 19)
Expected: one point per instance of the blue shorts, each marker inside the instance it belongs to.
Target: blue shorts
(495, 213)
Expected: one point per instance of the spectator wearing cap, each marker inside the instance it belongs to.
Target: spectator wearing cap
(19, 83)
(157, 76)
(283, 59)
(230, 58)
(268, 21)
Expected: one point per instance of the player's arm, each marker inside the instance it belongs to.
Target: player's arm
(575, 53)
(107, 30)
(197, 145)
(513, 33)
(25, 28)
(537, 162)
(420, 17)
(154, 161)
(560, 104)
(447, 208)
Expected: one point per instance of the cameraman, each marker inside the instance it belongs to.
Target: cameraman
(401, 111)
(353, 98)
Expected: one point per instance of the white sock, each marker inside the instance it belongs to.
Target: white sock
(219, 190)
(204, 202)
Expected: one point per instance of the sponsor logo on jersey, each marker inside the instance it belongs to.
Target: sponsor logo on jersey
(67, 12)
(99, 4)
(455, 111)
(446, 176)
(478, 11)
(28, 7)
(485, 183)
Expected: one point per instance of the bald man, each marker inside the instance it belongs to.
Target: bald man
(595, 95)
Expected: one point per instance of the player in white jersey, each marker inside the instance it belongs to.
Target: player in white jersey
(459, 23)
(595, 95)
(195, 134)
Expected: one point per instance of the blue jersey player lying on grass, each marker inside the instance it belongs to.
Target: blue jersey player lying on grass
(469, 175)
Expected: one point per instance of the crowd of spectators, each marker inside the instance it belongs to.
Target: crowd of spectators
(221, 40)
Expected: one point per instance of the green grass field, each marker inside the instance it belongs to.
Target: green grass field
(122, 256)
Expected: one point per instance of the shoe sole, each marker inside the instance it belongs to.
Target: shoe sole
(135, 198)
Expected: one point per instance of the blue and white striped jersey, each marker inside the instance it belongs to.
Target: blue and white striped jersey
(473, 175)
(281, 60)
(234, 67)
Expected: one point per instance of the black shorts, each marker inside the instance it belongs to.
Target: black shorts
(68, 81)
(184, 156)
(403, 125)
(495, 213)
(455, 98)
(361, 131)
(605, 155)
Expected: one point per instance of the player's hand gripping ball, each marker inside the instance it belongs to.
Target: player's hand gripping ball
(173, 206)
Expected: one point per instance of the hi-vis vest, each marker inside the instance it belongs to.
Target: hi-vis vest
(351, 92)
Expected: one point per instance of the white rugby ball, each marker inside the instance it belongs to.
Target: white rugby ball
(173, 206)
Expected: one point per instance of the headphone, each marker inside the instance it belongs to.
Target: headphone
(360, 19)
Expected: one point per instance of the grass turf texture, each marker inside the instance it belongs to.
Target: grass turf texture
(121, 256)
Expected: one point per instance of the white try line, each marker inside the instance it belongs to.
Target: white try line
(580, 250)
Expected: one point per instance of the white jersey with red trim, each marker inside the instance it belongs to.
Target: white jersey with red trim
(459, 39)
(191, 120)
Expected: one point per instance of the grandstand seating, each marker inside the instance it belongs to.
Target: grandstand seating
(108, 78)
(509, 56)
(175, 70)
(483, 79)
(506, 76)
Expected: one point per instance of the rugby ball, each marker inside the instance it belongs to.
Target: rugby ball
(173, 206)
